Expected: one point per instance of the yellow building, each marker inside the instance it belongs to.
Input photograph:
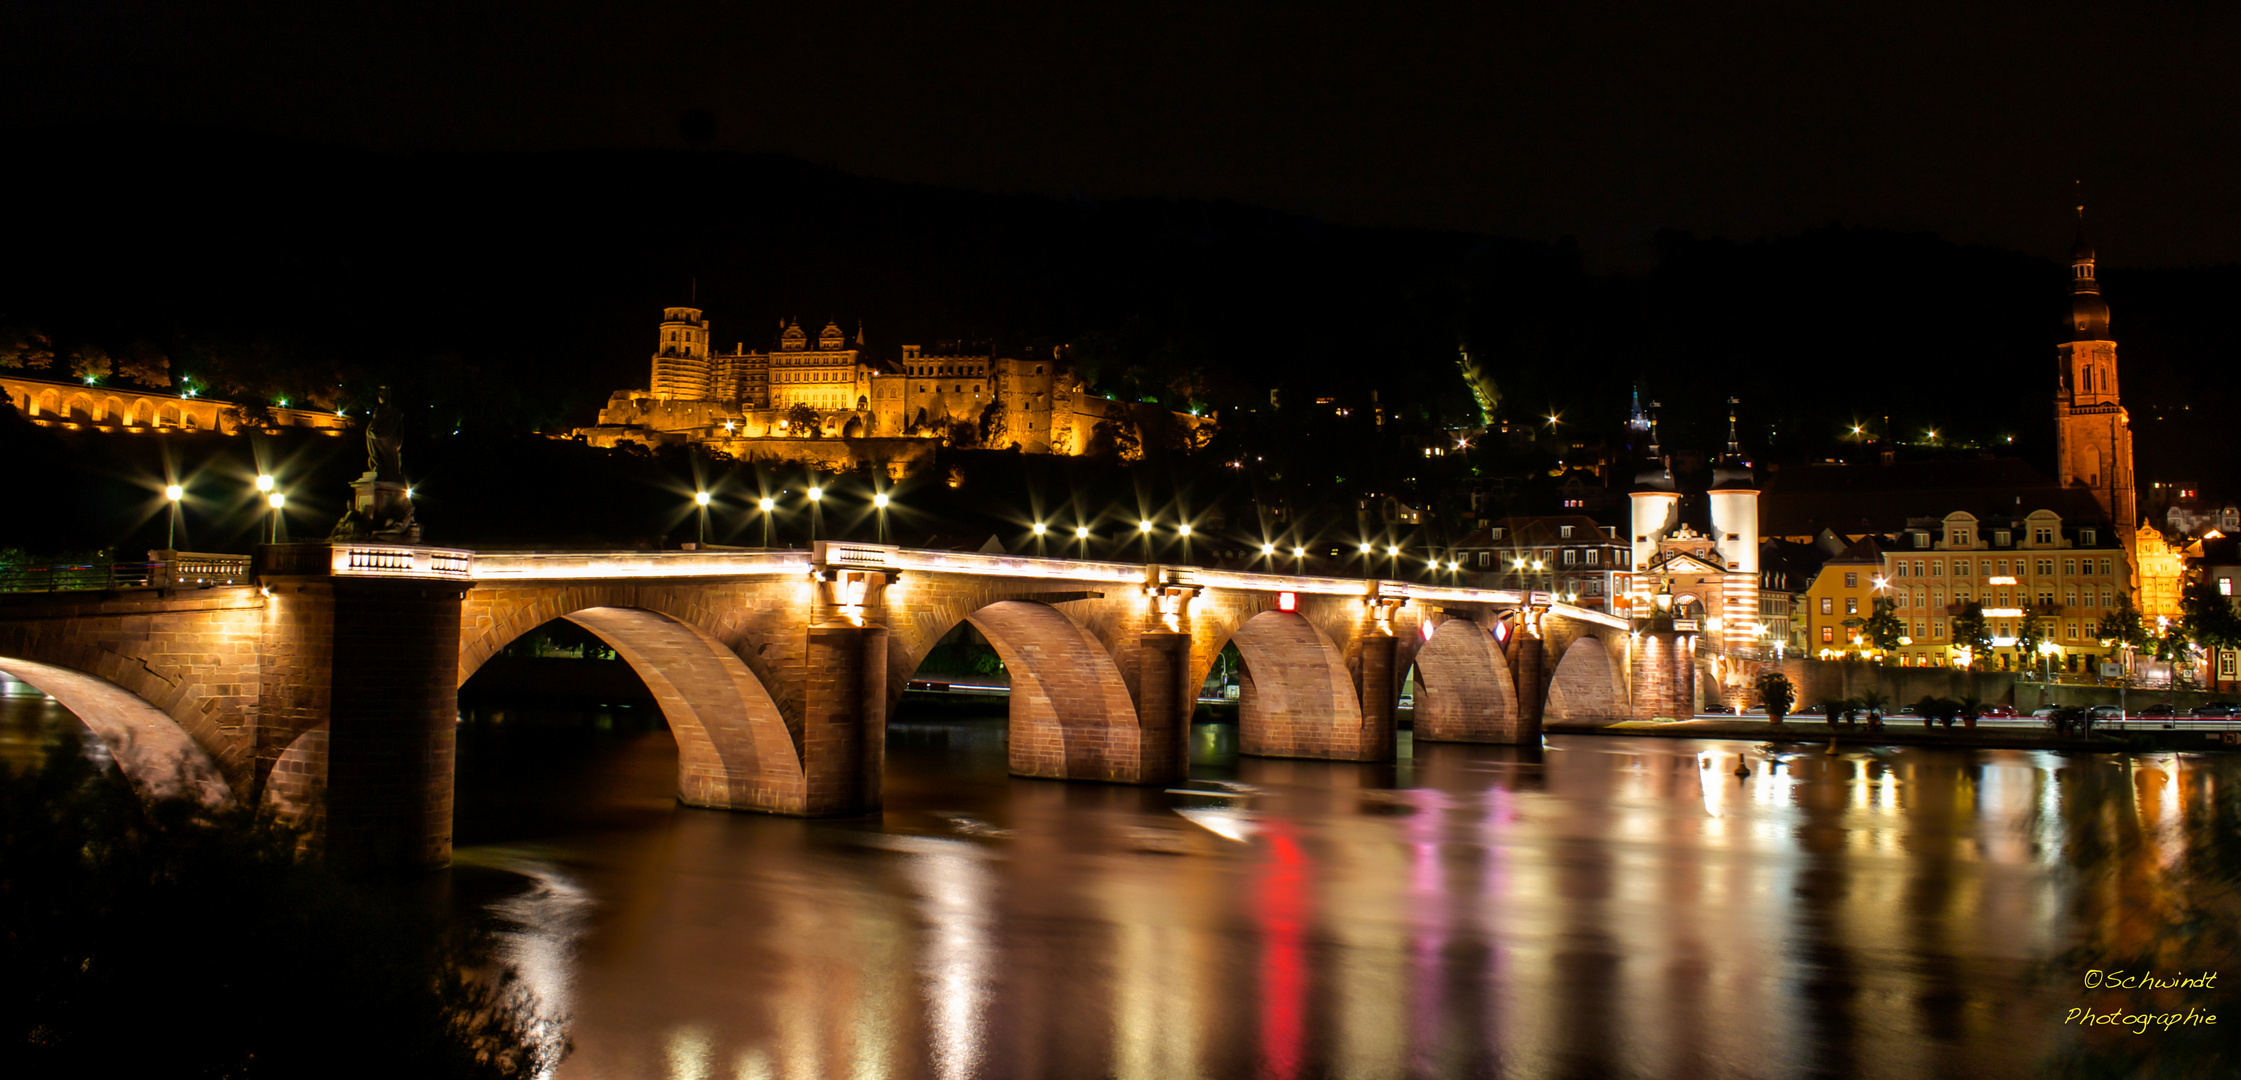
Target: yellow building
(2162, 572)
(2067, 574)
(1840, 600)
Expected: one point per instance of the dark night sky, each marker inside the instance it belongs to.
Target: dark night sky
(1602, 121)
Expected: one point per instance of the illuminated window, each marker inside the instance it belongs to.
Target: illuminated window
(1851, 605)
(1828, 606)
(1828, 633)
(1851, 580)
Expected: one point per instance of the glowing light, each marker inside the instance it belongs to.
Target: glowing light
(1425, 628)
(1183, 529)
(1453, 566)
(1268, 549)
(880, 501)
(701, 497)
(766, 505)
(1536, 564)
(264, 483)
(1081, 532)
(1040, 528)
(816, 493)
(1144, 526)
(1366, 549)
(1287, 601)
(409, 491)
(174, 493)
(1878, 581)
(1393, 550)
(1299, 553)
(277, 500)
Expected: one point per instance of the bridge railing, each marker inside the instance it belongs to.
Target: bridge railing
(169, 570)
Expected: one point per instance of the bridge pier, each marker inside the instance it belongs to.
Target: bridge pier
(1664, 676)
(1164, 702)
(1377, 688)
(373, 661)
(844, 720)
(1531, 681)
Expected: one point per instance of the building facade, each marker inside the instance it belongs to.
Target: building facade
(2063, 575)
(1840, 600)
(1569, 555)
(734, 400)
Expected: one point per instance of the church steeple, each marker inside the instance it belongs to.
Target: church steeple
(2092, 431)
(2089, 314)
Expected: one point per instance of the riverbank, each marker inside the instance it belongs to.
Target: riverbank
(1903, 733)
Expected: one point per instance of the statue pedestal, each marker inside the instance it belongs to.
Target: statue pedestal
(379, 510)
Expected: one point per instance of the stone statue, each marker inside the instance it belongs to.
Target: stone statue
(385, 440)
(381, 500)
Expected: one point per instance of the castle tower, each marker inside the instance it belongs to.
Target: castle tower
(2092, 432)
(681, 367)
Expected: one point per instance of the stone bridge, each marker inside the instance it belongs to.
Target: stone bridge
(326, 688)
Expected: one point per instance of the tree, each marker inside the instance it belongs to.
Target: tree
(1777, 694)
(2123, 625)
(1872, 702)
(1973, 632)
(25, 348)
(91, 364)
(1884, 629)
(147, 365)
(2211, 618)
(802, 422)
(2033, 629)
(97, 884)
(992, 425)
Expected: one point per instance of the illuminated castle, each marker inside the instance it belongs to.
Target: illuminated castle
(832, 388)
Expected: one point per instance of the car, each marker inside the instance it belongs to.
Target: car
(1809, 710)
(2043, 713)
(2105, 712)
(1997, 712)
(2218, 710)
(1718, 710)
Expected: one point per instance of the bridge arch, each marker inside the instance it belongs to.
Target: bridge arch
(1586, 685)
(1464, 691)
(157, 756)
(1296, 696)
(736, 749)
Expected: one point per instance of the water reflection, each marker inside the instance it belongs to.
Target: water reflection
(1606, 907)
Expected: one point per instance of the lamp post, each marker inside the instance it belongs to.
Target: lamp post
(1184, 531)
(879, 504)
(2048, 649)
(1299, 559)
(1145, 527)
(1040, 531)
(701, 500)
(276, 500)
(816, 503)
(1393, 556)
(1268, 551)
(1081, 533)
(171, 532)
(766, 504)
(1369, 551)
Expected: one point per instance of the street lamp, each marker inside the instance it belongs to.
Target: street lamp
(1145, 527)
(1184, 530)
(766, 504)
(701, 499)
(1393, 553)
(879, 503)
(276, 500)
(1040, 530)
(2048, 649)
(171, 534)
(816, 502)
(1299, 559)
(1081, 533)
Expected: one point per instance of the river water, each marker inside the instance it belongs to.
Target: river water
(1607, 907)
(1624, 907)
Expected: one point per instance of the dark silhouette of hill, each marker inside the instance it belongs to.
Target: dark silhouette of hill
(507, 291)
